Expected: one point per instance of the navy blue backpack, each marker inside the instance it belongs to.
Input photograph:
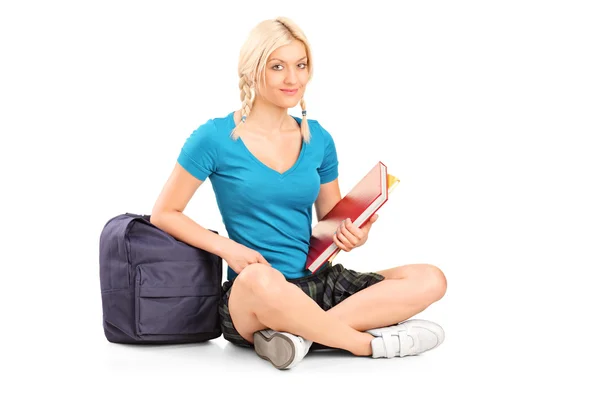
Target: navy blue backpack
(155, 288)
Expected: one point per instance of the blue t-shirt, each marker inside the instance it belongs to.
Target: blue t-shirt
(262, 209)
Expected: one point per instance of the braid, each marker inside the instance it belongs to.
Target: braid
(246, 99)
(304, 125)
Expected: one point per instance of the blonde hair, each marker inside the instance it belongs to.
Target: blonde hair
(264, 39)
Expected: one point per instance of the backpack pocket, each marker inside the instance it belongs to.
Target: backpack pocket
(176, 298)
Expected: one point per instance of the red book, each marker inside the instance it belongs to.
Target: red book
(369, 194)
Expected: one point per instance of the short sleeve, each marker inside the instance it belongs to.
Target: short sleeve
(199, 154)
(328, 170)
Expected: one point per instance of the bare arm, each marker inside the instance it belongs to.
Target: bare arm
(329, 195)
(167, 213)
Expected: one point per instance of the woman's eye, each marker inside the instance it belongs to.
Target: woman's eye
(279, 65)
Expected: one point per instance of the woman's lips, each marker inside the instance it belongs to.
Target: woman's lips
(289, 92)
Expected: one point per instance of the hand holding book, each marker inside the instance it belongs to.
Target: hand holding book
(348, 236)
(359, 207)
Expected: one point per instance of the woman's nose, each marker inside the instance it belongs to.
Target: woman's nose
(291, 77)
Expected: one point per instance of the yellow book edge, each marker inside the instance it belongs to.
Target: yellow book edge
(392, 182)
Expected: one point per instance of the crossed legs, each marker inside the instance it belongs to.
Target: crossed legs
(261, 298)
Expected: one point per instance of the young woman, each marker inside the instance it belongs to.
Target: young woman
(267, 169)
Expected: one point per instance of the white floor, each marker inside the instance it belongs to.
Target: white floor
(475, 362)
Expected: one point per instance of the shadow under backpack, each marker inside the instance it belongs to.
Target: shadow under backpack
(155, 288)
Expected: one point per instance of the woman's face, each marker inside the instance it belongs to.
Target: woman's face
(286, 69)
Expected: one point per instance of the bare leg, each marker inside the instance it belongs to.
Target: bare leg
(261, 297)
(406, 291)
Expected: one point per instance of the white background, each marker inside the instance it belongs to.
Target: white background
(488, 112)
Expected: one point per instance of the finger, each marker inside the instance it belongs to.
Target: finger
(368, 225)
(348, 237)
(340, 236)
(354, 230)
(374, 218)
(339, 244)
(365, 229)
(262, 260)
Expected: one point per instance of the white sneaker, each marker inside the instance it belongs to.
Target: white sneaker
(284, 350)
(407, 338)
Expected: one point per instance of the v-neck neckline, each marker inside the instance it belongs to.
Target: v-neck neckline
(263, 165)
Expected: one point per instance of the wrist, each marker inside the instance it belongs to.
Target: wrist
(221, 245)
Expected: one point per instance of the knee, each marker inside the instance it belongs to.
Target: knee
(434, 282)
(261, 280)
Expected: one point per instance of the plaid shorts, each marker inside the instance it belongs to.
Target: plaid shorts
(329, 286)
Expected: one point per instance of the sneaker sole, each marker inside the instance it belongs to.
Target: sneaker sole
(278, 349)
